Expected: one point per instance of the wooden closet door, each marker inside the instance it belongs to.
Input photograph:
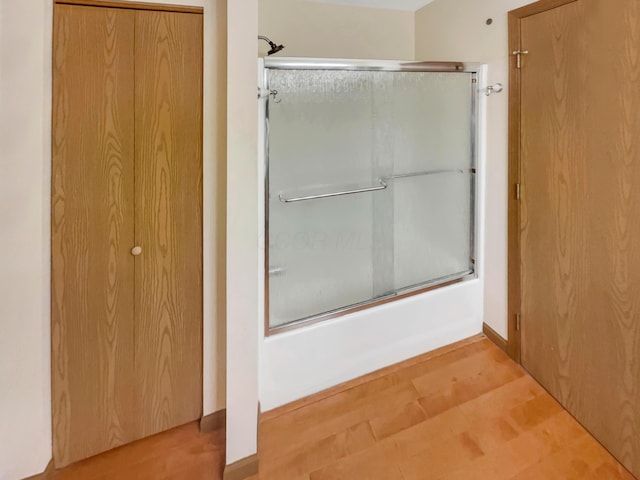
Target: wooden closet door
(92, 231)
(168, 298)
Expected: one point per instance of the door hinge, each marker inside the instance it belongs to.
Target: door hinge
(518, 191)
(518, 54)
(518, 317)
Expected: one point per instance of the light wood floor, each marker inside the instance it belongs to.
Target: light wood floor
(179, 454)
(464, 412)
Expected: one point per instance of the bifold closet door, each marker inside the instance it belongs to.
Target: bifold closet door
(92, 228)
(168, 124)
(126, 226)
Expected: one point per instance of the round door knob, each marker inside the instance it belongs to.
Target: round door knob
(136, 251)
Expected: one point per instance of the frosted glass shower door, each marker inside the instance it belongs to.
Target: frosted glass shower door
(320, 142)
(430, 117)
(370, 186)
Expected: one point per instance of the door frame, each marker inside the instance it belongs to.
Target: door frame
(514, 295)
(158, 7)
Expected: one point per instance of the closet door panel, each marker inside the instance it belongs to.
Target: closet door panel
(168, 299)
(92, 231)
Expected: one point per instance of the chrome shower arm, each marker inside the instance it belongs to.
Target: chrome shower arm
(275, 48)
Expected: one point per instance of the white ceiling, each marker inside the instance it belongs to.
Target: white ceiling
(410, 5)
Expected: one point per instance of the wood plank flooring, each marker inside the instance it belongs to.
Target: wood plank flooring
(464, 412)
(179, 454)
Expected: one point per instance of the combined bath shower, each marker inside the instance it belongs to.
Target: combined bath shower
(274, 47)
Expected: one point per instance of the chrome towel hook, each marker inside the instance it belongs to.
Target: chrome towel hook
(495, 88)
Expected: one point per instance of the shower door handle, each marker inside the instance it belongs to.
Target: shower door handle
(382, 186)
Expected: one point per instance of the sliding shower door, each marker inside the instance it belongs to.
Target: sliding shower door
(370, 186)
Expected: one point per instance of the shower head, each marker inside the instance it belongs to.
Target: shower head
(274, 47)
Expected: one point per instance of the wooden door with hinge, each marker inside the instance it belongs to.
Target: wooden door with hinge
(577, 162)
(126, 225)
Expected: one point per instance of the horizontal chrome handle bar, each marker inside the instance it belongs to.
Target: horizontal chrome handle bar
(382, 186)
(420, 174)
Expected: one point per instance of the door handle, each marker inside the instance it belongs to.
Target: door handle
(135, 251)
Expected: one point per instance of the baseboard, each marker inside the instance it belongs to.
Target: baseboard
(213, 421)
(44, 475)
(492, 335)
(241, 469)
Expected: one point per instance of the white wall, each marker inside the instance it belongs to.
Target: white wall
(25, 159)
(25, 165)
(312, 29)
(456, 30)
(242, 231)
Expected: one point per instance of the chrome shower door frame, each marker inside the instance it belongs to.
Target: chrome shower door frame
(303, 63)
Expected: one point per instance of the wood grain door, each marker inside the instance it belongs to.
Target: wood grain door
(127, 172)
(168, 299)
(92, 228)
(580, 214)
